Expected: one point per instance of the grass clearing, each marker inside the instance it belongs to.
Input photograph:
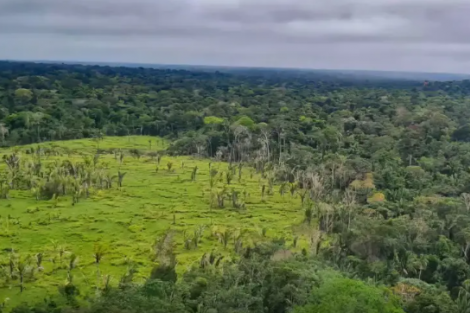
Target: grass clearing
(127, 221)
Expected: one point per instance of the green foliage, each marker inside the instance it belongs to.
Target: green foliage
(433, 301)
(213, 120)
(370, 177)
(339, 294)
(262, 280)
(246, 122)
(23, 94)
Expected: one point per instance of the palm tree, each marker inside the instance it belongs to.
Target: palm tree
(225, 236)
(39, 258)
(22, 269)
(221, 197)
(12, 161)
(194, 173)
(109, 180)
(12, 264)
(98, 253)
(120, 178)
(121, 158)
(211, 259)
(169, 165)
(198, 233)
(422, 264)
(228, 177)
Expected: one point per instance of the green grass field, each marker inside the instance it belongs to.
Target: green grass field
(128, 220)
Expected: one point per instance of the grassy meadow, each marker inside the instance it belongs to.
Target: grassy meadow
(159, 194)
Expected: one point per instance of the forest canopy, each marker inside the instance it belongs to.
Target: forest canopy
(383, 166)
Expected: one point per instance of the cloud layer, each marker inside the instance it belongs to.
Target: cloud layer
(415, 35)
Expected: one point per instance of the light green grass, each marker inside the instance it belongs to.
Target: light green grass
(129, 220)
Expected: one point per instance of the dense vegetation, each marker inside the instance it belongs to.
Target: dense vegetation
(378, 174)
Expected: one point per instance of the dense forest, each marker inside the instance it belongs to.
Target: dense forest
(382, 169)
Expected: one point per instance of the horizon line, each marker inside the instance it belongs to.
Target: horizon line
(150, 65)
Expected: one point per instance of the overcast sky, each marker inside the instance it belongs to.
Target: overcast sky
(413, 35)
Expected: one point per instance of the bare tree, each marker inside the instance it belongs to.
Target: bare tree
(264, 140)
(317, 187)
(3, 132)
(349, 201)
(120, 178)
(466, 201)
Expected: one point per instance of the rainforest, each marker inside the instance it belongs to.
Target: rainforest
(219, 190)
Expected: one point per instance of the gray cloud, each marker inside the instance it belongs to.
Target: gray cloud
(425, 35)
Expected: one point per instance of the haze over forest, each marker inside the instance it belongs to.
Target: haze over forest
(339, 73)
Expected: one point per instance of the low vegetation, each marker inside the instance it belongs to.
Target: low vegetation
(71, 209)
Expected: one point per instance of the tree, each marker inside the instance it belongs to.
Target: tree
(434, 301)
(36, 119)
(339, 294)
(23, 95)
(246, 121)
(213, 120)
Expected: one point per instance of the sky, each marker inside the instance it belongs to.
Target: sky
(402, 35)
